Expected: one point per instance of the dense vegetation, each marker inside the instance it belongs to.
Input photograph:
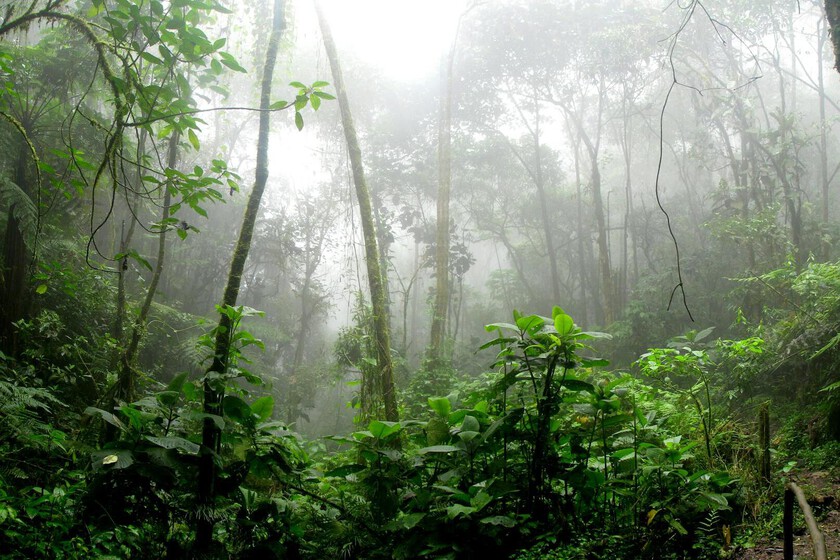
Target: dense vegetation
(588, 257)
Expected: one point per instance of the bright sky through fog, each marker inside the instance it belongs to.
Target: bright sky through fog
(405, 38)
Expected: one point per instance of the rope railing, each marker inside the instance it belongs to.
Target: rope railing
(793, 491)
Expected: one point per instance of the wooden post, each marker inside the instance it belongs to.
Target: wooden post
(764, 442)
(787, 524)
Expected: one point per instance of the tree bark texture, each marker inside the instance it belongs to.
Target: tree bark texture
(214, 392)
(832, 12)
(374, 270)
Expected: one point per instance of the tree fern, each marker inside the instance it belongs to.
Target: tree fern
(13, 198)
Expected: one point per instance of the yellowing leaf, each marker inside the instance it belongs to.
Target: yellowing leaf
(651, 514)
(110, 460)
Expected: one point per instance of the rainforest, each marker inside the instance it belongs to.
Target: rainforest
(392, 279)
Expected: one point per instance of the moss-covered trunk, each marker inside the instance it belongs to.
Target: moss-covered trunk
(832, 12)
(374, 271)
(214, 385)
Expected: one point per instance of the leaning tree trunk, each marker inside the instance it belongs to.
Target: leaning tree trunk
(374, 271)
(214, 393)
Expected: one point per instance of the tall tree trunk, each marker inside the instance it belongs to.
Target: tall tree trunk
(442, 240)
(118, 328)
(13, 277)
(213, 391)
(607, 295)
(824, 180)
(832, 12)
(536, 174)
(377, 289)
(583, 240)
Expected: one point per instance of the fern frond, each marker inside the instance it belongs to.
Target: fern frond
(22, 207)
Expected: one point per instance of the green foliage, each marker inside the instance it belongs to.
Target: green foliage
(544, 452)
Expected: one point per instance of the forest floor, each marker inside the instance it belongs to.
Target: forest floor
(822, 490)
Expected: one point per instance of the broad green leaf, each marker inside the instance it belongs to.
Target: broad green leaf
(715, 499)
(437, 449)
(193, 139)
(470, 424)
(577, 385)
(480, 500)
(677, 526)
(229, 61)
(200, 416)
(499, 326)
(623, 453)
(136, 256)
(441, 405)
(168, 398)
(41, 289)
(320, 84)
(237, 409)
(112, 459)
(149, 57)
(594, 362)
(454, 511)
(381, 429)
(105, 415)
(175, 443)
(263, 408)
(501, 341)
(564, 324)
(530, 324)
(703, 334)
(468, 435)
(177, 382)
(298, 120)
(502, 520)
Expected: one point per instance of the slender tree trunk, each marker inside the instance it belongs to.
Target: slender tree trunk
(214, 389)
(313, 249)
(598, 208)
(544, 206)
(824, 181)
(374, 271)
(118, 328)
(442, 240)
(127, 383)
(583, 240)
